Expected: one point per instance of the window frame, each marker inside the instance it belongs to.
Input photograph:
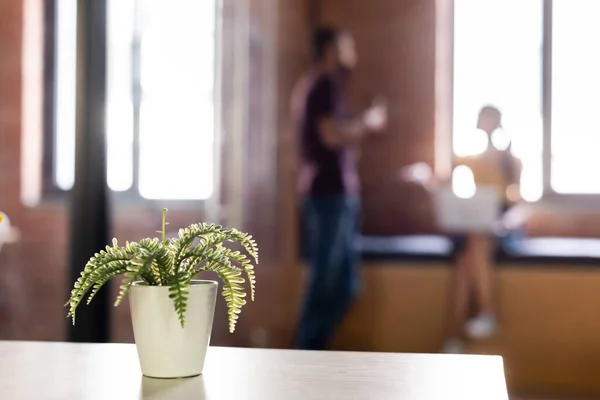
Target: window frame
(50, 190)
(550, 198)
(49, 187)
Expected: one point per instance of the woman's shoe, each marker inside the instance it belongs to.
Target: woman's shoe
(454, 346)
(481, 327)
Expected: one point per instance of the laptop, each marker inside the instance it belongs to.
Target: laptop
(475, 214)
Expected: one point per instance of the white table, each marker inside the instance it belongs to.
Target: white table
(34, 370)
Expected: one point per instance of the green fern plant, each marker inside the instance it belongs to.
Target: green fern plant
(173, 263)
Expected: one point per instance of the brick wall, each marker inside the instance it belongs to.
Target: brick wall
(33, 272)
(396, 48)
(396, 44)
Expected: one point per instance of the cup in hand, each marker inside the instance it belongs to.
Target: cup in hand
(418, 173)
(375, 118)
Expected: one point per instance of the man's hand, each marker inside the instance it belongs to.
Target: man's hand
(376, 117)
(419, 173)
(335, 133)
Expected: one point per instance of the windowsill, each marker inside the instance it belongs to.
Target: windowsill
(128, 203)
(123, 201)
(548, 251)
(559, 203)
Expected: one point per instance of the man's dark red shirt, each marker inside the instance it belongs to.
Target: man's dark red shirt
(324, 171)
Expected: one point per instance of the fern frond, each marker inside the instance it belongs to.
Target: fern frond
(132, 274)
(249, 269)
(233, 292)
(179, 291)
(212, 256)
(245, 240)
(112, 271)
(204, 251)
(146, 276)
(214, 236)
(163, 262)
(208, 235)
(159, 269)
(251, 247)
(97, 268)
(244, 263)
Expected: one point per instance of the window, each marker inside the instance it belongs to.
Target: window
(575, 102)
(535, 60)
(498, 61)
(160, 91)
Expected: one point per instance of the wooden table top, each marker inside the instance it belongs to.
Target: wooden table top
(35, 370)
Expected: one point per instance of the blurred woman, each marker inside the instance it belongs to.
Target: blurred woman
(473, 252)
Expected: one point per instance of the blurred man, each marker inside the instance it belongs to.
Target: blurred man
(328, 182)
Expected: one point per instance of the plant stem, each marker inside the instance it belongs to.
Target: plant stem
(164, 223)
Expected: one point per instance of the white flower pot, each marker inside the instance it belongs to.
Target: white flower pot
(165, 349)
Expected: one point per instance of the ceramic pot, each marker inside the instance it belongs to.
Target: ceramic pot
(165, 349)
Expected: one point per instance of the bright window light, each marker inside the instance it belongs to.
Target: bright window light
(177, 107)
(500, 139)
(463, 182)
(470, 142)
(575, 102)
(64, 128)
(498, 62)
(177, 114)
(119, 104)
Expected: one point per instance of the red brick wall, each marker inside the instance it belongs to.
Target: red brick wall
(292, 61)
(396, 42)
(33, 272)
(396, 47)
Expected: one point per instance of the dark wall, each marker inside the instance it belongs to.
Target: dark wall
(396, 47)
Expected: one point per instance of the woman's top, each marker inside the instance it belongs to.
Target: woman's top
(499, 168)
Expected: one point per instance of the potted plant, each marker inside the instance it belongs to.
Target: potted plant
(172, 313)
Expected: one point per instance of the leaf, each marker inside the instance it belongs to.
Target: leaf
(214, 256)
(179, 292)
(233, 293)
(244, 263)
(116, 269)
(101, 266)
(134, 270)
(162, 259)
(187, 237)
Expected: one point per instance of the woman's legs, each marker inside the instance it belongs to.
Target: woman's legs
(480, 249)
(459, 296)
(458, 303)
(472, 270)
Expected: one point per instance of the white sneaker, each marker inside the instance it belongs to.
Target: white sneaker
(481, 327)
(454, 346)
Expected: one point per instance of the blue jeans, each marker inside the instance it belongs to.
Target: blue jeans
(332, 223)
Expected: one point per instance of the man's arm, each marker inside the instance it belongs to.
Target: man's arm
(334, 132)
